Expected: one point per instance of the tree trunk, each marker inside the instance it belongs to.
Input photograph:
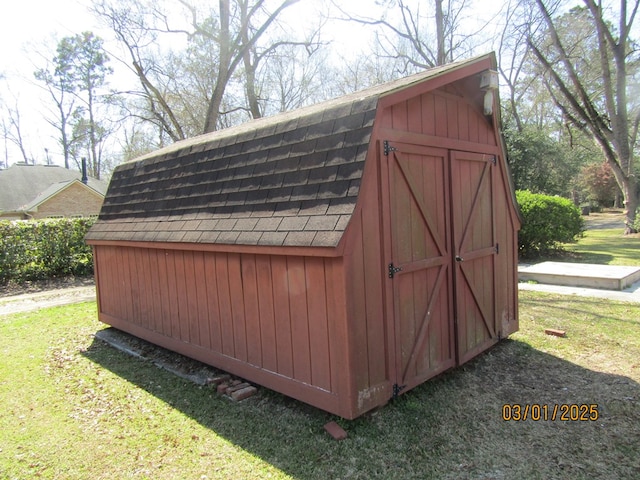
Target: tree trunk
(631, 202)
(252, 97)
(441, 56)
(609, 124)
(213, 109)
(249, 69)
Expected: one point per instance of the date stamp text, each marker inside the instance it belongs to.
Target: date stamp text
(564, 412)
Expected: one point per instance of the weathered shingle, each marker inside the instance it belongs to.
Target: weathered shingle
(292, 179)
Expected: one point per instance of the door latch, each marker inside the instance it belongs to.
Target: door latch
(459, 258)
(393, 270)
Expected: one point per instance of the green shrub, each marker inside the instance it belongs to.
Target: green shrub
(34, 250)
(547, 222)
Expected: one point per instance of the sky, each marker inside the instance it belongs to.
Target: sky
(32, 28)
(28, 26)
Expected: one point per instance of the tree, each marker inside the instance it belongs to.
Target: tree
(538, 162)
(12, 132)
(86, 60)
(420, 37)
(57, 82)
(515, 57)
(286, 83)
(219, 42)
(75, 81)
(234, 45)
(594, 97)
(599, 184)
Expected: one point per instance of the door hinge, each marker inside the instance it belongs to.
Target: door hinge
(393, 270)
(497, 248)
(397, 389)
(388, 148)
(494, 160)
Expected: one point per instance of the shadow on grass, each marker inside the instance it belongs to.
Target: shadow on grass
(449, 427)
(581, 306)
(572, 257)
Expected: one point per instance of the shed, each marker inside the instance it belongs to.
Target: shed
(340, 254)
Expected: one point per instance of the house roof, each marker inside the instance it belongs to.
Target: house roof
(288, 180)
(24, 187)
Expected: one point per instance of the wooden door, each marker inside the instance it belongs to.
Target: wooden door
(419, 217)
(474, 245)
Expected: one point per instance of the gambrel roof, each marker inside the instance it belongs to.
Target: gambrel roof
(288, 180)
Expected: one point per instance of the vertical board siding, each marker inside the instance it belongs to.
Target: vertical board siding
(317, 320)
(474, 235)
(441, 114)
(212, 303)
(506, 262)
(172, 281)
(251, 310)
(203, 322)
(236, 297)
(154, 291)
(338, 330)
(299, 325)
(357, 301)
(225, 315)
(271, 312)
(428, 110)
(373, 287)
(282, 316)
(269, 359)
(365, 273)
(419, 212)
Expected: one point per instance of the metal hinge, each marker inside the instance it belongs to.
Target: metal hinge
(397, 389)
(393, 270)
(388, 148)
(494, 160)
(497, 248)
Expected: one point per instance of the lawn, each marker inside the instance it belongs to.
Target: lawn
(607, 247)
(604, 245)
(76, 408)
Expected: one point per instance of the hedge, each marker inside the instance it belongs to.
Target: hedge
(547, 222)
(41, 249)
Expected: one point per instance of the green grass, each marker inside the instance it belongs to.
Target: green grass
(608, 247)
(75, 408)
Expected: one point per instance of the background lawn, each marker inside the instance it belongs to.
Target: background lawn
(604, 242)
(607, 246)
(76, 408)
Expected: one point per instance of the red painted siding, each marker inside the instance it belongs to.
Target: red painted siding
(277, 314)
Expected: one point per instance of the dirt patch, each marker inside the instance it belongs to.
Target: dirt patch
(36, 286)
(604, 220)
(43, 294)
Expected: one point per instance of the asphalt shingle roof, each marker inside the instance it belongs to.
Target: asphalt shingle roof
(288, 180)
(24, 186)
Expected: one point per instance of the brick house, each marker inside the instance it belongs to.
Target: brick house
(48, 191)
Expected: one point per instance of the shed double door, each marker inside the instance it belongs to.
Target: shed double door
(442, 239)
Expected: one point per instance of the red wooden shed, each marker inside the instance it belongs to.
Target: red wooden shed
(340, 254)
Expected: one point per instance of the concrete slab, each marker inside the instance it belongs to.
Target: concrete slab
(608, 277)
(175, 363)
